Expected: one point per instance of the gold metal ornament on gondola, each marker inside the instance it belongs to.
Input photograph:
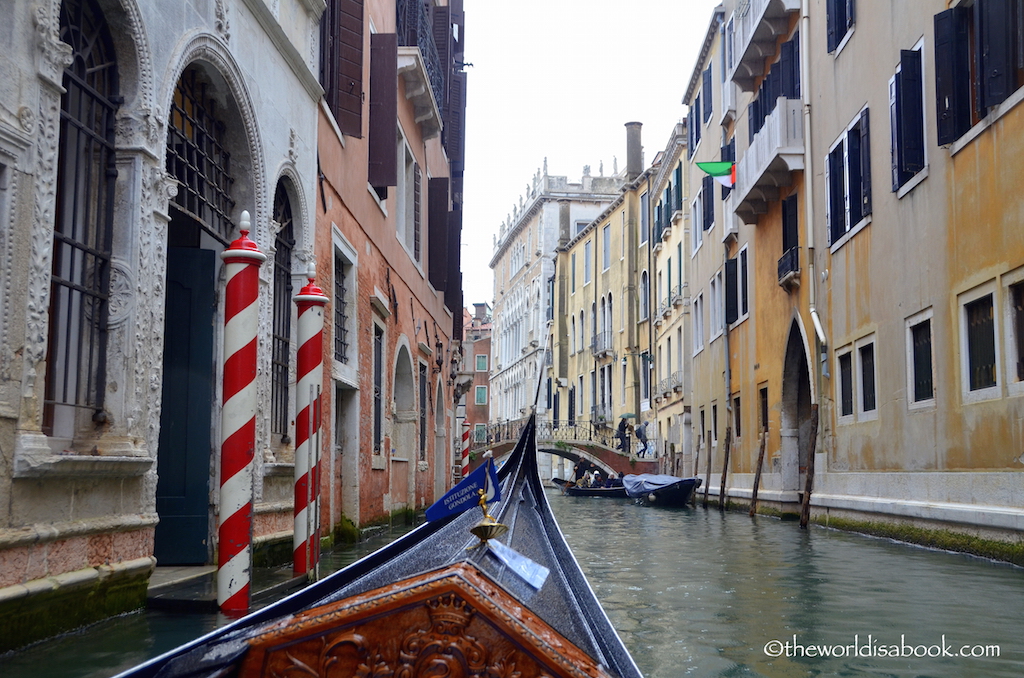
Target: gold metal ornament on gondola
(489, 527)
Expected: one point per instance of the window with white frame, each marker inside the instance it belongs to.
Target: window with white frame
(572, 273)
(1015, 331)
(572, 335)
(839, 20)
(696, 222)
(737, 303)
(920, 370)
(844, 382)
(622, 239)
(715, 306)
(407, 196)
(587, 262)
(481, 362)
(606, 247)
(645, 219)
(848, 179)
(697, 323)
(579, 395)
(480, 396)
(979, 340)
(867, 406)
(906, 117)
(480, 433)
(645, 296)
(623, 381)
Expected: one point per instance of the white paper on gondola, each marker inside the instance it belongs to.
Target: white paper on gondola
(533, 573)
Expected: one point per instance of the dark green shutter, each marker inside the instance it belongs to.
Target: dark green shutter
(952, 74)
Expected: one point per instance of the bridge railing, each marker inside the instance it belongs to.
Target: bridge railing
(577, 431)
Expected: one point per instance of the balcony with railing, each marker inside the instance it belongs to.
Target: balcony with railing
(776, 151)
(789, 268)
(601, 415)
(679, 294)
(759, 23)
(420, 66)
(601, 344)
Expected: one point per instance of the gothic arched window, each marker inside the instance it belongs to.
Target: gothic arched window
(83, 225)
(283, 246)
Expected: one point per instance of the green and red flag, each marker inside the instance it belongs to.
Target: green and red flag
(723, 172)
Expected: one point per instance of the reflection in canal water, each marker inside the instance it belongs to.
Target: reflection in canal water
(699, 593)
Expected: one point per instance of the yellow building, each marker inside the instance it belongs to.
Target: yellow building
(600, 368)
(670, 397)
(860, 290)
(917, 169)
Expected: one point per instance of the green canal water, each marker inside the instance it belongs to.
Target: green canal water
(699, 593)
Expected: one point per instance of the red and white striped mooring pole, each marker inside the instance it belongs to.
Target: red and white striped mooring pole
(306, 542)
(465, 447)
(242, 261)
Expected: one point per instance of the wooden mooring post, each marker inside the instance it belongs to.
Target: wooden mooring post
(805, 508)
(757, 472)
(725, 468)
(707, 476)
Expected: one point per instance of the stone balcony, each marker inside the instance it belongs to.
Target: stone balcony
(758, 28)
(775, 153)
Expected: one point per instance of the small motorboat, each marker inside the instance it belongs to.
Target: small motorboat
(660, 490)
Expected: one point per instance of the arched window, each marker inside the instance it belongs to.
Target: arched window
(197, 158)
(283, 245)
(83, 225)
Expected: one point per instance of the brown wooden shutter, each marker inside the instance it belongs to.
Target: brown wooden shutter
(437, 232)
(417, 210)
(453, 288)
(382, 170)
(341, 63)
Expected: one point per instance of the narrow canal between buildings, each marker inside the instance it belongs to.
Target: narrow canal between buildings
(699, 593)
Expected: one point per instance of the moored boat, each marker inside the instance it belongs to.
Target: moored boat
(659, 489)
(574, 490)
(438, 601)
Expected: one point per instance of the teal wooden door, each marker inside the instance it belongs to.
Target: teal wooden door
(183, 457)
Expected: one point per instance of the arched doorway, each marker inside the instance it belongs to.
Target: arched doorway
(795, 422)
(403, 439)
(440, 445)
(202, 155)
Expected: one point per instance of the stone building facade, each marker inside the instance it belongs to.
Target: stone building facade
(552, 211)
(132, 137)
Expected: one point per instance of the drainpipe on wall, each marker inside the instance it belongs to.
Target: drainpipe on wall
(820, 365)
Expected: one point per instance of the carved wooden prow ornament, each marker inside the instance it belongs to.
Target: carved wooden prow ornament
(454, 621)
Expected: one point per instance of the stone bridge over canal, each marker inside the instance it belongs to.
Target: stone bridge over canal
(579, 440)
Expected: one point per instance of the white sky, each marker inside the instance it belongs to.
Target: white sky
(559, 79)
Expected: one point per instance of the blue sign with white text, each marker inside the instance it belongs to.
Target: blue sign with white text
(466, 494)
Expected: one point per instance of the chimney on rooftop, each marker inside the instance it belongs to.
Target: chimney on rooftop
(634, 151)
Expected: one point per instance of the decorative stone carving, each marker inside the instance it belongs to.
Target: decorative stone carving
(27, 119)
(293, 154)
(56, 54)
(40, 262)
(222, 24)
(121, 293)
